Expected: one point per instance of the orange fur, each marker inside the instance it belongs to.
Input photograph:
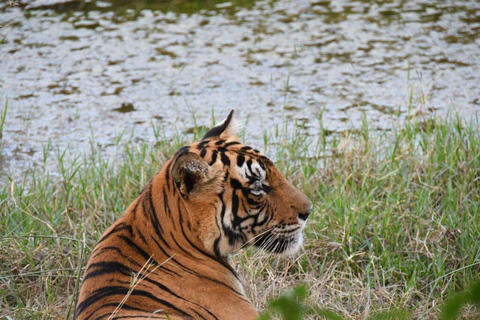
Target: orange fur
(209, 199)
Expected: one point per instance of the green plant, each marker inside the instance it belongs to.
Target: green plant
(455, 303)
(291, 306)
(3, 118)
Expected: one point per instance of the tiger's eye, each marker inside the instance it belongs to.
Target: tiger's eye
(257, 185)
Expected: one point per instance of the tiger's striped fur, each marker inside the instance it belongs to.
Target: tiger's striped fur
(168, 254)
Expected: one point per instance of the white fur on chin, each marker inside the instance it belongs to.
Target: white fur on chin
(293, 247)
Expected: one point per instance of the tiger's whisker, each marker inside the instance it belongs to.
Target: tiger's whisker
(254, 238)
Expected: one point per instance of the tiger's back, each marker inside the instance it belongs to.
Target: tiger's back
(168, 254)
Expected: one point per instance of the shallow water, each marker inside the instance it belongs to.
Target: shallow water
(76, 72)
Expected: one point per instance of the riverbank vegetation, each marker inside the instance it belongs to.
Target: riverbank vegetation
(396, 221)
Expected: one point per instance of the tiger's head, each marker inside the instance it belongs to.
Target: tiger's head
(235, 196)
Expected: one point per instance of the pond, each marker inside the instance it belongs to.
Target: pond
(76, 72)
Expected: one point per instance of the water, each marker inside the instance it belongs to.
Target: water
(76, 72)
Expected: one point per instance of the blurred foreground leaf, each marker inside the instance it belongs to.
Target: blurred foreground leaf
(290, 307)
(454, 304)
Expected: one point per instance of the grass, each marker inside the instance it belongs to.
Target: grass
(3, 118)
(396, 220)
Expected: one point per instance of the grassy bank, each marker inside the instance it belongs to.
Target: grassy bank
(396, 220)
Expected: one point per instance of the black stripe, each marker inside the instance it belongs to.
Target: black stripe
(125, 307)
(106, 267)
(233, 236)
(235, 203)
(167, 174)
(142, 237)
(220, 142)
(179, 246)
(188, 270)
(133, 262)
(267, 161)
(202, 316)
(154, 218)
(117, 290)
(241, 296)
(225, 159)
(252, 202)
(168, 271)
(235, 184)
(203, 153)
(240, 160)
(262, 165)
(231, 144)
(137, 316)
(219, 259)
(168, 257)
(214, 157)
(119, 227)
(246, 196)
(249, 165)
(202, 144)
(135, 247)
(119, 252)
(165, 205)
(216, 247)
(164, 288)
(258, 223)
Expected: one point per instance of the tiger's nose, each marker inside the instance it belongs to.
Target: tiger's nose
(304, 216)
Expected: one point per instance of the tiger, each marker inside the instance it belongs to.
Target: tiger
(168, 256)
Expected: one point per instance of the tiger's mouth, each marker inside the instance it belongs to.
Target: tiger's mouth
(281, 240)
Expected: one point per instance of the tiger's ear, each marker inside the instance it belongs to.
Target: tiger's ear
(190, 172)
(223, 130)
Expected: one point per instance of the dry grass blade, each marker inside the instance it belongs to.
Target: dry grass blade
(137, 278)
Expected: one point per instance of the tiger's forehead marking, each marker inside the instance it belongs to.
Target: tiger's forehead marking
(223, 145)
(250, 170)
(247, 161)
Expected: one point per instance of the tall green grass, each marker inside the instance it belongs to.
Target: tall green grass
(3, 118)
(395, 225)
